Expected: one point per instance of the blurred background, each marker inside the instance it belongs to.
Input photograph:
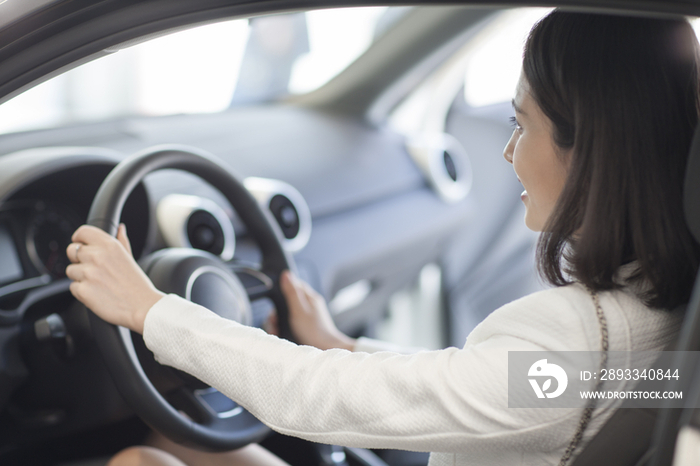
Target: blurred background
(212, 67)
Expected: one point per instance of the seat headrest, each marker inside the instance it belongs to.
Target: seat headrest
(691, 190)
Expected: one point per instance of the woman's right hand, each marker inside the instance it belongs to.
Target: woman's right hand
(107, 279)
(309, 318)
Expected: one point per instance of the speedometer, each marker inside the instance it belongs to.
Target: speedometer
(48, 235)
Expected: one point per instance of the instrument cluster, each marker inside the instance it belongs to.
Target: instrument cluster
(34, 235)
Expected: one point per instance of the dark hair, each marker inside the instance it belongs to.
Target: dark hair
(622, 95)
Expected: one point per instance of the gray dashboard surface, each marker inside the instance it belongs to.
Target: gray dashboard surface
(374, 216)
(335, 162)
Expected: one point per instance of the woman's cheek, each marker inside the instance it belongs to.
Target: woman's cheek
(519, 165)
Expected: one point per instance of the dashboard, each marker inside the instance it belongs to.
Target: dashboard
(64, 383)
(50, 198)
(44, 228)
(34, 234)
(376, 223)
(53, 381)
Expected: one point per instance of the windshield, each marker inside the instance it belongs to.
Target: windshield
(204, 69)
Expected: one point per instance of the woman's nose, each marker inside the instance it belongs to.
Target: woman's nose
(508, 150)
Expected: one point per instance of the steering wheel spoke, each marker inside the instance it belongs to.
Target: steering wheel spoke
(205, 406)
(257, 284)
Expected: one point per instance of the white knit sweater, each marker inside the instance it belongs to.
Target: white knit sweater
(452, 402)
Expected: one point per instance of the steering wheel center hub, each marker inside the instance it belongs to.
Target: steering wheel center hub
(201, 278)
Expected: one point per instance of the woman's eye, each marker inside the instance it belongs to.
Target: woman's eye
(514, 123)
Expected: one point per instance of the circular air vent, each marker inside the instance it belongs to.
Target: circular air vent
(204, 232)
(444, 163)
(286, 215)
(195, 222)
(287, 207)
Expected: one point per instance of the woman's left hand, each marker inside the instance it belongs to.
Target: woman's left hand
(107, 279)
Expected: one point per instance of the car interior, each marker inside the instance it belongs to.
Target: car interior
(360, 146)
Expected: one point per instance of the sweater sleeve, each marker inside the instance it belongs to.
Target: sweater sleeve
(452, 400)
(370, 345)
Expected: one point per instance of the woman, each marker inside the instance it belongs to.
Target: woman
(604, 113)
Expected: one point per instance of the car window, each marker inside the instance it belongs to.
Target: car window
(488, 81)
(204, 69)
(483, 71)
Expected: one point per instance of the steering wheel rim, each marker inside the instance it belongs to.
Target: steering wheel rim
(115, 342)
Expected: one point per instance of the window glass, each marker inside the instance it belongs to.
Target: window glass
(494, 60)
(336, 38)
(204, 69)
(491, 80)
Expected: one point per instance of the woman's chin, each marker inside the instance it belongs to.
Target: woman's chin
(531, 222)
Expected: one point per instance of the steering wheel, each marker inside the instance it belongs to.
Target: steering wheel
(210, 420)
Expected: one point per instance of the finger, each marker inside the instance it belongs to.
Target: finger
(295, 296)
(123, 238)
(81, 292)
(287, 286)
(83, 255)
(310, 293)
(76, 289)
(89, 234)
(72, 252)
(75, 272)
